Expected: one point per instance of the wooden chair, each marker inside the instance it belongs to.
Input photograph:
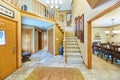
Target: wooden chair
(102, 49)
(94, 47)
(112, 50)
(117, 53)
(98, 49)
(105, 51)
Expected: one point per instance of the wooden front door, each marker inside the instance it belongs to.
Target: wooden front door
(7, 47)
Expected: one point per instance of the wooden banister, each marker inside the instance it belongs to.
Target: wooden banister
(65, 55)
(35, 7)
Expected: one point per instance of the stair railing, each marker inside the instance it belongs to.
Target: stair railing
(33, 6)
(65, 54)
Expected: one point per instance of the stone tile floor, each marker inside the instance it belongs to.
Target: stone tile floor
(102, 70)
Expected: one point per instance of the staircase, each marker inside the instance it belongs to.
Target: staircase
(71, 51)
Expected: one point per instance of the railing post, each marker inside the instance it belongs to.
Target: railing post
(65, 55)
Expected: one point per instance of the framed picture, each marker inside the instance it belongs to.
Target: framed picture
(69, 19)
(81, 23)
(75, 25)
(78, 27)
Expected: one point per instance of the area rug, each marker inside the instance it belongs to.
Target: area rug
(55, 73)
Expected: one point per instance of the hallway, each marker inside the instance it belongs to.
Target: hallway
(102, 70)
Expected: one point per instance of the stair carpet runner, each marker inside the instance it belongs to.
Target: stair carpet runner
(72, 51)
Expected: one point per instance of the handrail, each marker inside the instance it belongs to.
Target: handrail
(34, 6)
(78, 45)
(65, 55)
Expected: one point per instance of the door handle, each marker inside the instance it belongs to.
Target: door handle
(14, 49)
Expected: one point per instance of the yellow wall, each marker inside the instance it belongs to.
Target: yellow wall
(80, 7)
(58, 39)
(68, 34)
(17, 17)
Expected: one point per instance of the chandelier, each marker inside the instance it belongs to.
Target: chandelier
(54, 3)
(112, 31)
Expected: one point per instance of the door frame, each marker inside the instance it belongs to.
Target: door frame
(17, 57)
(89, 33)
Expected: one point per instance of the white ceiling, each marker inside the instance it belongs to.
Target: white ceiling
(105, 21)
(66, 4)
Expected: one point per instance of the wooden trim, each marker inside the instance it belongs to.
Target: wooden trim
(89, 46)
(65, 11)
(108, 27)
(32, 14)
(83, 61)
(100, 27)
(78, 44)
(116, 5)
(17, 55)
(8, 18)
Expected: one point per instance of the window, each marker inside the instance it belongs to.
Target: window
(2, 37)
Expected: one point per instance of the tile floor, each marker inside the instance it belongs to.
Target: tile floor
(102, 70)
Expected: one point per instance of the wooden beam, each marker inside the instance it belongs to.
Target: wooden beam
(89, 46)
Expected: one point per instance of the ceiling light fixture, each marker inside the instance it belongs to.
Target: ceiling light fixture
(54, 3)
(112, 32)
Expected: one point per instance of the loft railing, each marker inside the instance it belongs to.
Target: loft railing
(34, 7)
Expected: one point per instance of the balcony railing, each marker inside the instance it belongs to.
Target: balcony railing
(34, 7)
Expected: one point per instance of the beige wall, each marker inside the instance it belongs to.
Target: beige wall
(106, 38)
(116, 38)
(80, 7)
(101, 33)
(64, 13)
(67, 34)
(17, 17)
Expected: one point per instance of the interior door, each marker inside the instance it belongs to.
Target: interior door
(50, 41)
(39, 40)
(7, 47)
(27, 40)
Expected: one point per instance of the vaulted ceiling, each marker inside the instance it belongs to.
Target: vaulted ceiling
(95, 3)
(66, 4)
